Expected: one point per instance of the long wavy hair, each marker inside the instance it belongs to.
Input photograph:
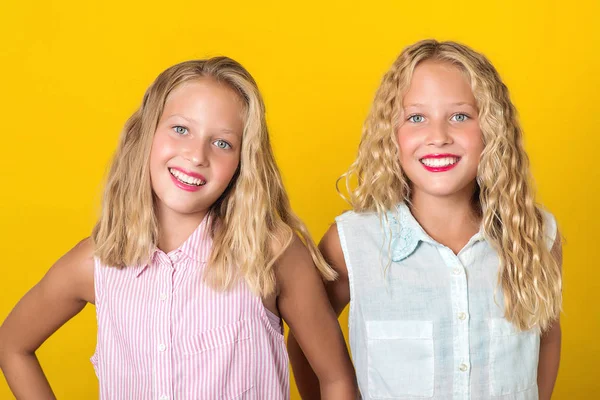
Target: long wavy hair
(512, 222)
(252, 223)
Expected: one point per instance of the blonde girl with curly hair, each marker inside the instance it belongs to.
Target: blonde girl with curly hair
(196, 258)
(451, 269)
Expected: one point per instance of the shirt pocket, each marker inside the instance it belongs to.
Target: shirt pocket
(513, 358)
(224, 359)
(400, 359)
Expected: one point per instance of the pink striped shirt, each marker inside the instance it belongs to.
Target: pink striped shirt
(164, 334)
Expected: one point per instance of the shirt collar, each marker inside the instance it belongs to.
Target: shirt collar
(407, 233)
(196, 247)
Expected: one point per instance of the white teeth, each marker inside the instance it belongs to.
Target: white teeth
(439, 162)
(186, 178)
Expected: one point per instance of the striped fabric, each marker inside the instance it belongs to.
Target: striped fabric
(164, 334)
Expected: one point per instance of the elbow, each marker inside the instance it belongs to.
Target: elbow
(343, 384)
(9, 352)
(342, 388)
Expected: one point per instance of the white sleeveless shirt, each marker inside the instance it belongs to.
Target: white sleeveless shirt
(432, 325)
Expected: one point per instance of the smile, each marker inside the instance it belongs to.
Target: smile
(187, 179)
(439, 162)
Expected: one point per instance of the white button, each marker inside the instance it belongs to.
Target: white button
(163, 296)
(462, 316)
(163, 398)
(162, 347)
(175, 256)
(456, 271)
(463, 367)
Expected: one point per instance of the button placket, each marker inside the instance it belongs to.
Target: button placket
(460, 327)
(163, 357)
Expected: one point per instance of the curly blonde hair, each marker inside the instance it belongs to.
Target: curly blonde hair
(514, 225)
(252, 223)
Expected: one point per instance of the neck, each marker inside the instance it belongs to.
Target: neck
(449, 220)
(174, 228)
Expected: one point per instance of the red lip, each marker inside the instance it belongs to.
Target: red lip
(185, 186)
(440, 169)
(439, 156)
(189, 173)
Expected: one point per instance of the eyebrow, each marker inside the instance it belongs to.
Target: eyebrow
(460, 103)
(224, 131)
(228, 132)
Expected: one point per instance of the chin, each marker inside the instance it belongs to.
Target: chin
(444, 191)
(182, 208)
(189, 209)
(437, 190)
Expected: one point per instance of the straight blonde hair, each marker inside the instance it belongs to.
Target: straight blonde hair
(512, 222)
(252, 223)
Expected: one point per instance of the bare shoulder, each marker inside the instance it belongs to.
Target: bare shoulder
(338, 291)
(290, 263)
(82, 253)
(284, 249)
(74, 271)
(296, 272)
(331, 248)
(294, 259)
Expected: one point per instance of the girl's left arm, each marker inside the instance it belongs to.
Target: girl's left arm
(550, 344)
(303, 304)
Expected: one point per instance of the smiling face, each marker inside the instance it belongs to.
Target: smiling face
(196, 148)
(439, 138)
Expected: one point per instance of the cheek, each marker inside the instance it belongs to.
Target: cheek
(161, 149)
(407, 145)
(474, 140)
(228, 165)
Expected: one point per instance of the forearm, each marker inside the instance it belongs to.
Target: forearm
(306, 379)
(548, 366)
(343, 389)
(25, 377)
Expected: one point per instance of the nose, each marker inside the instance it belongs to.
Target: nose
(439, 135)
(196, 152)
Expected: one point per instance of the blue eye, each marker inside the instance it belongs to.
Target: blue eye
(222, 144)
(416, 118)
(460, 117)
(180, 130)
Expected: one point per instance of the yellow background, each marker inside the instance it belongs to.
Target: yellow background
(73, 71)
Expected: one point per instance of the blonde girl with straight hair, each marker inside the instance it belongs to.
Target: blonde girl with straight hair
(451, 269)
(195, 259)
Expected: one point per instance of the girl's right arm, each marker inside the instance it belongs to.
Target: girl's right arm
(63, 292)
(338, 293)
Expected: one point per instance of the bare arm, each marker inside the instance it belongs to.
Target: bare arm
(61, 294)
(550, 344)
(338, 293)
(304, 306)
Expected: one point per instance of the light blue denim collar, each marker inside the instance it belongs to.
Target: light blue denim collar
(407, 233)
